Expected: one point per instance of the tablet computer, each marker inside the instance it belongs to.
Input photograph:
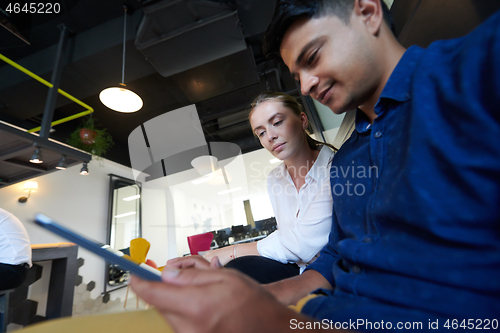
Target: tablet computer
(144, 272)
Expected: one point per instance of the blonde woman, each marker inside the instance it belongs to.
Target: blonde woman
(299, 190)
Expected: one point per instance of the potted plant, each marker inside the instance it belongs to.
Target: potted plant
(90, 138)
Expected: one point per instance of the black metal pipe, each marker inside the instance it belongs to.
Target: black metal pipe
(48, 113)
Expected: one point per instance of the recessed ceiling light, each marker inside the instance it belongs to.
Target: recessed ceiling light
(229, 191)
(203, 179)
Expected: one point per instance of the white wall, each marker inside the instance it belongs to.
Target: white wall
(154, 227)
(78, 202)
(81, 203)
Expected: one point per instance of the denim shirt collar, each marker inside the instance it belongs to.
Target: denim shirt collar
(362, 122)
(397, 88)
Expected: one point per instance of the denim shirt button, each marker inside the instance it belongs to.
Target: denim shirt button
(377, 134)
(355, 269)
(368, 240)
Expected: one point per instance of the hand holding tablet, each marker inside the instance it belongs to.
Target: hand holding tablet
(144, 271)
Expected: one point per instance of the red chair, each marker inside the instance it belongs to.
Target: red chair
(200, 243)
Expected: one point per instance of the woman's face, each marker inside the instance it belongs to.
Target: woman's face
(279, 130)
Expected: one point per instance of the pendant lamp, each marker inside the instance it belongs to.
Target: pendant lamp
(120, 98)
(205, 164)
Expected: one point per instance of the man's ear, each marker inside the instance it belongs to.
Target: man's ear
(371, 13)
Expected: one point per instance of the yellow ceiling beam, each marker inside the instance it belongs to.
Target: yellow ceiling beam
(50, 85)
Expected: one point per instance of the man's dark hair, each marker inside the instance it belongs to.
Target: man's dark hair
(287, 12)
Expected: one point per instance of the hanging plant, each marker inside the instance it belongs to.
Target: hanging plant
(87, 136)
(90, 138)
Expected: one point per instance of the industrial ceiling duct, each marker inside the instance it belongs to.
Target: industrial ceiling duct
(177, 35)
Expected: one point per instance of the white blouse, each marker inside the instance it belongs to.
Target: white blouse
(303, 218)
(15, 247)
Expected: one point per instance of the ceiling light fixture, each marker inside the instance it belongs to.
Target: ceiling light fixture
(84, 170)
(37, 156)
(119, 98)
(242, 198)
(229, 191)
(220, 177)
(62, 163)
(203, 179)
(205, 164)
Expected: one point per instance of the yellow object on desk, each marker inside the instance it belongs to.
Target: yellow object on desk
(139, 248)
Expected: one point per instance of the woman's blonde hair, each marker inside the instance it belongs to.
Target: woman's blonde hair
(290, 103)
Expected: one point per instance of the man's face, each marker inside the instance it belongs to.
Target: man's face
(333, 62)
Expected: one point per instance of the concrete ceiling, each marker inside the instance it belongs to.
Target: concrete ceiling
(220, 82)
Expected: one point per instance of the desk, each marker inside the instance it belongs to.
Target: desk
(249, 240)
(245, 240)
(61, 284)
(62, 276)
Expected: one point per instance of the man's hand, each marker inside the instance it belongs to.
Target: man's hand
(193, 262)
(291, 290)
(214, 300)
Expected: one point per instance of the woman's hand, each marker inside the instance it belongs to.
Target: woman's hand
(225, 255)
(228, 253)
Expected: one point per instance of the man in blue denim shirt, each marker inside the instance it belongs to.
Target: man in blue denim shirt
(415, 241)
(416, 188)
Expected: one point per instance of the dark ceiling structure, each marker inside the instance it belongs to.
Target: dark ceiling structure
(178, 52)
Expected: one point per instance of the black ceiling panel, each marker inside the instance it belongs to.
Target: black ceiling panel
(218, 77)
(220, 69)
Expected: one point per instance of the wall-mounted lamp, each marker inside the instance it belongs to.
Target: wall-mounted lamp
(37, 156)
(84, 170)
(62, 163)
(28, 187)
